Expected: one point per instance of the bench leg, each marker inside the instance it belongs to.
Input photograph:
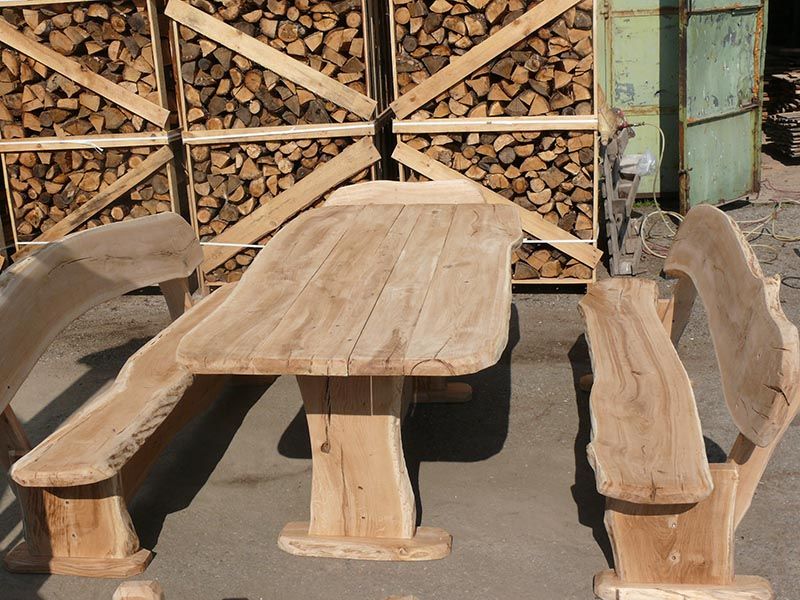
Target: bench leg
(13, 442)
(82, 530)
(362, 504)
(677, 552)
(437, 390)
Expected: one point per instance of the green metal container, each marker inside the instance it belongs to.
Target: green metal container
(693, 68)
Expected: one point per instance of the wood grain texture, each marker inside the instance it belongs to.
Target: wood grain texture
(274, 60)
(14, 442)
(395, 192)
(647, 445)
(684, 544)
(360, 485)
(49, 290)
(460, 67)
(19, 560)
(757, 347)
(269, 217)
(532, 222)
(607, 586)
(335, 275)
(99, 441)
(139, 590)
(102, 199)
(429, 543)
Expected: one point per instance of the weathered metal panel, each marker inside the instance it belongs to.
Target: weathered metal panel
(720, 99)
(639, 71)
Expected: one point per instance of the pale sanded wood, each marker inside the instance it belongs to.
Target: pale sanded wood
(78, 73)
(47, 291)
(680, 543)
(267, 218)
(757, 347)
(360, 485)
(139, 590)
(647, 444)
(14, 442)
(429, 543)
(396, 192)
(102, 199)
(19, 560)
(472, 60)
(272, 59)
(607, 586)
(104, 436)
(532, 222)
(177, 296)
(318, 303)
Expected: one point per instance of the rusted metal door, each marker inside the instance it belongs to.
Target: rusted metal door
(721, 62)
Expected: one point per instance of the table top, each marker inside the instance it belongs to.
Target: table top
(416, 289)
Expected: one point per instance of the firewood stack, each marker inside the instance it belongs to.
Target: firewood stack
(548, 73)
(84, 104)
(272, 90)
(511, 111)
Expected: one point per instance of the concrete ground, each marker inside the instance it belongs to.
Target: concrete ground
(506, 474)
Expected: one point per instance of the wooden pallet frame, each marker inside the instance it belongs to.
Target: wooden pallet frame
(159, 113)
(361, 154)
(296, 71)
(532, 223)
(460, 67)
(165, 156)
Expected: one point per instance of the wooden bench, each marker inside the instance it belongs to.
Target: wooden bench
(671, 516)
(73, 487)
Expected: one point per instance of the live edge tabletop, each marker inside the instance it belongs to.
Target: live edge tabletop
(351, 299)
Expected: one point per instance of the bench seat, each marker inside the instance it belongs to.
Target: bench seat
(647, 445)
(99, 440)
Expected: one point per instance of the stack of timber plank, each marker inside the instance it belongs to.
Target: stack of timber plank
(277, 107)
(783, 130)
(503, 92)
(84, 116)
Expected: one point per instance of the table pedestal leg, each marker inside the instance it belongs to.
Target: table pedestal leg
(362, 504)
(437, 390)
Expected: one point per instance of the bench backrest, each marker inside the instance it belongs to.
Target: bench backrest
(42, 294)
(395, 192)
(757, 347)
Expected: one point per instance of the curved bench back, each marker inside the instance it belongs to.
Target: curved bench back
(757, 347)
(42, 294)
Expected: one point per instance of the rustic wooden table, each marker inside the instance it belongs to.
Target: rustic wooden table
(355, 301)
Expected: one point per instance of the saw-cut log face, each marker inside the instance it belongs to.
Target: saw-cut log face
(548, 73)
(48, 186)
(225, 90)
(551, 173)
(110, 39)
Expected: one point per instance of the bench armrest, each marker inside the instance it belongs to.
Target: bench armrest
(647, 444)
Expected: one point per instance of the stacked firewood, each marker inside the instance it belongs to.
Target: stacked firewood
(112, 39)
(232, 180)
(549, 73)
(47, 186)
(549, 173)
(225, 90)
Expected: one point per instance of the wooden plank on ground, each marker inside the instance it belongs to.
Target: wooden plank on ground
(272, 59)
(475, 58)
(647, 443)
(68, 67)
(532, 222)
(105, 197)
(284, 206)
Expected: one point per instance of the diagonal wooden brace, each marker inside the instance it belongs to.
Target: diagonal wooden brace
(272, 59)
(461, 66)
(75, 71)
(532, 222)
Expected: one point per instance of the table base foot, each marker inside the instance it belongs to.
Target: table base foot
(429, 543)
(19, 560)
(454, 392)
